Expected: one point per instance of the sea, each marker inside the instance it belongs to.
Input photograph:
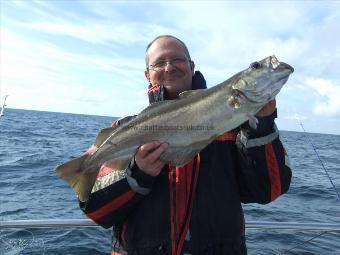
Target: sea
(33, 143)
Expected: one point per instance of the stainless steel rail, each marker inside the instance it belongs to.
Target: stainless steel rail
(58, 223)
(47, 223)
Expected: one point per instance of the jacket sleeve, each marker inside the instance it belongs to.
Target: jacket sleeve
(263, 166)
(116, 193)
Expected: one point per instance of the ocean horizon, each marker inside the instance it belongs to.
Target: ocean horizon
(33, 142)
(116, 117)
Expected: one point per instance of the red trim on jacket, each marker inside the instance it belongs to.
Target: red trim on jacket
(191, 204)
(274, 172)
(182, 186)
(228, 136)
(110, 207)
(122, 236)
(179, 188)
(153, 89)
(172, 210)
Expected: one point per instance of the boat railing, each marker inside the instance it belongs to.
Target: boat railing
(65, 223)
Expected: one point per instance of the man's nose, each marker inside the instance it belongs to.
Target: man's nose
(169, 66)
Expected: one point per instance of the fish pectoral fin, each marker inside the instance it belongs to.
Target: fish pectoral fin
(84, 182)
(84, 185)
(80, 182)
(70, 169)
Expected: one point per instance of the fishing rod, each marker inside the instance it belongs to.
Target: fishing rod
(2, 109)
(303, 243)
(323, 166)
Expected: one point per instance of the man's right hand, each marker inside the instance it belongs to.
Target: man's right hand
(147, 157)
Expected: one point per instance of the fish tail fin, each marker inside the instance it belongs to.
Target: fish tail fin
(80, 182)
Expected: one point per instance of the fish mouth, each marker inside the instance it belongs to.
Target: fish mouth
(284, 65)
(276, 64)
(273, 91)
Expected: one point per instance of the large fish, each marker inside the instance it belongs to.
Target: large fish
(187, 124)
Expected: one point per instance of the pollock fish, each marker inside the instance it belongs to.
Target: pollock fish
(187, 124)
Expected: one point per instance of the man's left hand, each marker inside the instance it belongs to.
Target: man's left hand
(268, 109)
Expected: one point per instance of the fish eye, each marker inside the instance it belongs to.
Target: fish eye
(255, 65)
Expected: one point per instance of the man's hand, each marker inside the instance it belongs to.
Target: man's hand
(268, 109)
(147, 157)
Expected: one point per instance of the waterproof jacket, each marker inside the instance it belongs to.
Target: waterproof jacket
(194, 209)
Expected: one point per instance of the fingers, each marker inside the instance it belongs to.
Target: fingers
(147, 157)
(272, 103)
(154, 155)
(156, 168)
(146, 148)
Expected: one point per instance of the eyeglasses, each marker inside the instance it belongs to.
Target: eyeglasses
(160, 65)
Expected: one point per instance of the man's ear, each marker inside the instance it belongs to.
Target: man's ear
(147, 75)
(192, 66)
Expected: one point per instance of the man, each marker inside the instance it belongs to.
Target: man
(156, 208)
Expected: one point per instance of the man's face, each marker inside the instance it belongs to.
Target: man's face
(176, 77)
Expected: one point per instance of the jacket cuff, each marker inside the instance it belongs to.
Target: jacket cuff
(265, 132)
(138, 180)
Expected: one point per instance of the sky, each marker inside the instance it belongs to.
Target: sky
(87, 57)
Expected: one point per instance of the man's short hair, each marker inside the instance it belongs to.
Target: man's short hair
(186, 51)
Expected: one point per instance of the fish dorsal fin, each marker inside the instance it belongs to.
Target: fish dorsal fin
(103, 135)
(107, 132)
(187, 93)
(155, 107)
(158, 107)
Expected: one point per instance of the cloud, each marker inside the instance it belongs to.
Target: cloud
(88, 56)
(46, 77)
(94, 23)
(296, 116)
(99, 32)
(328, 96)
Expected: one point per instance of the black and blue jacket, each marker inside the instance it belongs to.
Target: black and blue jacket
(194, 209)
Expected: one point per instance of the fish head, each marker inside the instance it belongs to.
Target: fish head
(261, 81)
